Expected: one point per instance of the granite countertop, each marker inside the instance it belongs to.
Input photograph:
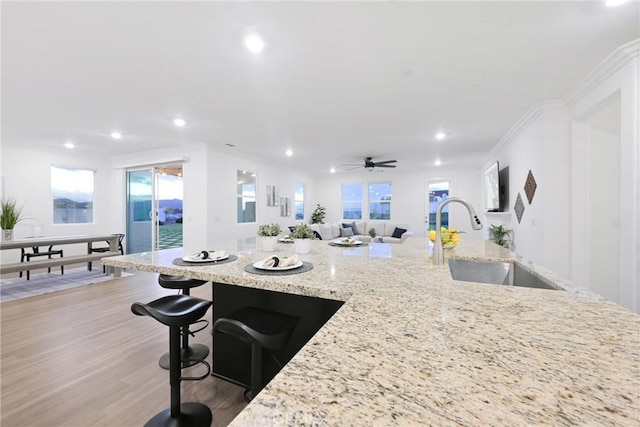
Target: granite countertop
(411, 346)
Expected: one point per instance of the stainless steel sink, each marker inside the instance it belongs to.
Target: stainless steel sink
(497, 273)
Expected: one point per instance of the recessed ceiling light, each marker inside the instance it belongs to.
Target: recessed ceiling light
(440, 136)
(116, 135)
(179, 122)
(69, 144)
(332, 170)
(289, 153)
(254, 43)
(437, 162)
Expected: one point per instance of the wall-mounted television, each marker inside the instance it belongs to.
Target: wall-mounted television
(492, 188)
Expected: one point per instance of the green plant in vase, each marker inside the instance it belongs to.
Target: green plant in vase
(269, 234)
(499, 234)
(10, 215)
(302, 235)
(317, 217)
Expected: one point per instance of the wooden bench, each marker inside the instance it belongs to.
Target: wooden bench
(54, 262)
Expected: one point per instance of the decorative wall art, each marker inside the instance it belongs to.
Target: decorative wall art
(285, 206)
(519, 207)
(272, 195)
(530, 187)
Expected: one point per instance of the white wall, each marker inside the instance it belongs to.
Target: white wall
(551, 141)
(27, 179)
(409, 202)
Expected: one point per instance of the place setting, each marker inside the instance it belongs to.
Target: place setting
(206, 257)
(347, 242)
(276, 265)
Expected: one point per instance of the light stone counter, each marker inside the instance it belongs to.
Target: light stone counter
(411, 346)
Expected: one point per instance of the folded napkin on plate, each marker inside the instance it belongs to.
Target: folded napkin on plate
(207, 255)
(274, 261)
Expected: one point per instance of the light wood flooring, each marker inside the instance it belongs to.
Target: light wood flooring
(80, 358)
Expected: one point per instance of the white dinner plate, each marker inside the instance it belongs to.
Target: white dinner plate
(259, 266)
(212, 257)
(352, 243)
(285, 240)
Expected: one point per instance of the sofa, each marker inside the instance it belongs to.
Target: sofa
(391, 232)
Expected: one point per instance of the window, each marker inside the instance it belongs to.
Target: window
(352, 201)
(438, 192)
(246, 196)
(72, 191)
(380, 200)
(298, 201)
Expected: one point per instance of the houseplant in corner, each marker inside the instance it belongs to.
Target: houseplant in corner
(269, 234)
(500, 234)
(302, 235)
(317, 217)
(9, 217)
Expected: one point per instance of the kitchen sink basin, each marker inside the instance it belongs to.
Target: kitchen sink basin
(497, 273)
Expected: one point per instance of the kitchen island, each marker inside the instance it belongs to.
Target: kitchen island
(411, 346)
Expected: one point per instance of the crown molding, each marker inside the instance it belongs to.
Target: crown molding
(527, 118)
(604, 70)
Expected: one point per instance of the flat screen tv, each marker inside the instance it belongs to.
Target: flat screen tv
(492, 188)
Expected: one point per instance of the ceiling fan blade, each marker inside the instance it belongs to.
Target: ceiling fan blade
(384, 162)
(384, 166)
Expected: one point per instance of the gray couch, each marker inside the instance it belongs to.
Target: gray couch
(384, 229)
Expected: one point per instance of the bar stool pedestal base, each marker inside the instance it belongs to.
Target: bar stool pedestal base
(192, 414)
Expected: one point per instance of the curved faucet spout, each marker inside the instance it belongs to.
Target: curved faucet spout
(438, 252)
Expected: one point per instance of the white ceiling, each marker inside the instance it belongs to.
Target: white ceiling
(337, 81)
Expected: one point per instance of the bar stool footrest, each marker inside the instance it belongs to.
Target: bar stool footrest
(189, 356)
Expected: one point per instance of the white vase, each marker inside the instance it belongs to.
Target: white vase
(302, 246)
(269, 243)
(7, 235)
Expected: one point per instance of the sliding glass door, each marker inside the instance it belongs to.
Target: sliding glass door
(141, 210)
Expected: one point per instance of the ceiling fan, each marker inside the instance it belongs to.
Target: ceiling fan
(370, 165)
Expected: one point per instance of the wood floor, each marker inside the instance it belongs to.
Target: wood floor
(80, 358)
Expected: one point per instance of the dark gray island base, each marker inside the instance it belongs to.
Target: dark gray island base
(232, 357)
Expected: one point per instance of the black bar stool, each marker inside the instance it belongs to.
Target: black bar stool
(190, 354)
(177, 312)
(262, 329)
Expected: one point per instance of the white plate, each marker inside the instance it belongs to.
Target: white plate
(285, 240)
(259, 266)
(352, 243)
(221, 256)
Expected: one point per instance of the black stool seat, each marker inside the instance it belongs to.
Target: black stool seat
(177, 311)
(268, 328)
(190, 353)
(173, 310)
(179, 282)
(262, 329)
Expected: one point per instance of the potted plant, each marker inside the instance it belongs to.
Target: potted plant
(9, 217)
(500, 234)
(317, 217)
(302, 235)
(269, 234)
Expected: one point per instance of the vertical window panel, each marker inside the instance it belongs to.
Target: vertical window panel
(352, 201)
(72, 192)
(246, 196)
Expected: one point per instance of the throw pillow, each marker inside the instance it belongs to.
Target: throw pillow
(346, 232)
(318, 236)
(352, 226)
(291, 228)
(398, 232)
